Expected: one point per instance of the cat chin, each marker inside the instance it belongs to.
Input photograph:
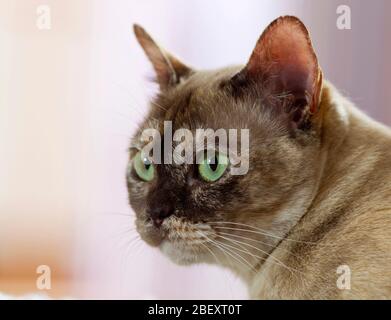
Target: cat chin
(180, 255)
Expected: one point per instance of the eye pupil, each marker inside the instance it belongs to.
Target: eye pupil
(143, 167)
(213, 164)
(147, 163)
(213, 168)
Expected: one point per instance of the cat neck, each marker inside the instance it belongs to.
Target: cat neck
(355, 152)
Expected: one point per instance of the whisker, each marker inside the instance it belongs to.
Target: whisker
(258, 241)
(246, 238)
(127, 253)
(219, 263)
(228, 249)
(279, 262)
(248, 252)
(241, 246)
(290, 269)
(211, 252)
(225, 254)
(218, 245)
(158, 105)
(243, 250)
(257, 230)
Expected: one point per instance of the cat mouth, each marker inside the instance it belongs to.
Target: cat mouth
(182, 241)
(185, 242)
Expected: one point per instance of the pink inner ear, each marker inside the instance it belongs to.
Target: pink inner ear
(284, 55)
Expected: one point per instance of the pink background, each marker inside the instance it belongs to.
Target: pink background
(70, 98)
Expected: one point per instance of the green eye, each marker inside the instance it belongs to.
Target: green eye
(212, 168)
(143, 166)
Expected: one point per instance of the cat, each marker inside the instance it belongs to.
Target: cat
(311, 219)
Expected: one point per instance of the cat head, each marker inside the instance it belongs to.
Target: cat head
(201, 212)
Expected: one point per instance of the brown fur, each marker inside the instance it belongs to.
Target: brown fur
(348, 220)
(317, 193)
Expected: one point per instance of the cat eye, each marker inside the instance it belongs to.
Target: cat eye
(143, 167)
(211, 169)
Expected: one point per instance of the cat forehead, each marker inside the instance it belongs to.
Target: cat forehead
(209, 78)
(200, 102)
(202, 85)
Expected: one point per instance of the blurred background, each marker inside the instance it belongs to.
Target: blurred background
(71, 94)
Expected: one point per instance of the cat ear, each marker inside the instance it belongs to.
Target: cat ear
(169, 70)
(285, 64)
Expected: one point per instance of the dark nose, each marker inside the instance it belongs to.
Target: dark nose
(159, 213)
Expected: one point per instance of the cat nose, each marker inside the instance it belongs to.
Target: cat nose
(160, 213)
